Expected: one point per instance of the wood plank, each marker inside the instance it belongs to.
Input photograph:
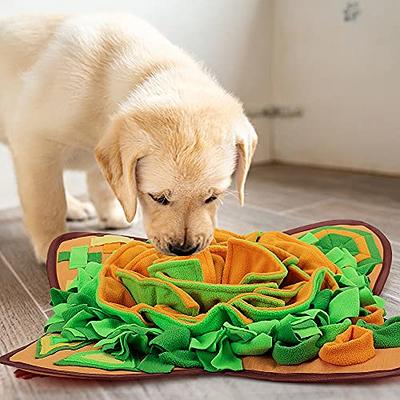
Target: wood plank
(220, 387)
(266, 187)
(16, 247)
(250, 218)
(21, 319)
(386, 219)
(288, 186)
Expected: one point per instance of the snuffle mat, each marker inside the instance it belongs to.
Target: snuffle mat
(301, 305)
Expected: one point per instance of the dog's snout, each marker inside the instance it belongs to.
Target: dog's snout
(182, 250)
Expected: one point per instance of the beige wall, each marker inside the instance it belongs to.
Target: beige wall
(346, 75)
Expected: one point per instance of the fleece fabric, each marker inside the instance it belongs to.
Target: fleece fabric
(264, 293)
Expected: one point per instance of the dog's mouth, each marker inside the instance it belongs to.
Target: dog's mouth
(171, 249)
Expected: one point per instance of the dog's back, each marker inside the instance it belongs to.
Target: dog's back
(22, 40)
(76, 59)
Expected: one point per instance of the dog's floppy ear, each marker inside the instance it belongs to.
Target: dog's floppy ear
(246, 143)
(117, 154)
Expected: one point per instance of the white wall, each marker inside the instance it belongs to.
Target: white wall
(232, 37)
(346, 76)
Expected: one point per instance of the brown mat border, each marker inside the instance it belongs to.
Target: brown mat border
(270, 376)
(6, 360)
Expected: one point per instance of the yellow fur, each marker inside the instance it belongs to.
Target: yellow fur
(114, 86)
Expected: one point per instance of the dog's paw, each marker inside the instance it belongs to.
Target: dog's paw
(78, 210)
(114, 218)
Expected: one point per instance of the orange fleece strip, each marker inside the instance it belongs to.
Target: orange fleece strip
(375, 317)
(353, 346)
(310, 258)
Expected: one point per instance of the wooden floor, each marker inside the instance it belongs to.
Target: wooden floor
(278, 197)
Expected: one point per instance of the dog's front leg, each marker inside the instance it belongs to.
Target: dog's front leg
(108, 208)
(41, 191)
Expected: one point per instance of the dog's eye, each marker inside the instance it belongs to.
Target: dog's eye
(211, 199)
(160, 199)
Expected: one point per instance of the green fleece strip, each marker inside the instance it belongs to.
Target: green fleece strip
(153, 364)
(128, 338)
(341, 257)
(98, 359)
(375, 257)
(78, 257)
(329, 332)
(345, 304)
(293, 329)
(174, 338)
(297, 354)
(189, 270)
(152, 292)
(213, 320)
(266, 278)
(95, 257)
(58, 296)
(181, 359)
(322, 299)
(386, 335)
(65, 256)
(54, 347)
(309, 238)
(208, 294)
(260, 313)
(333, 240)
(84, 275)
(234, 341)
(231, 342)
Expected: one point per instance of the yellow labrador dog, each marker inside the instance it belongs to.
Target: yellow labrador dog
(111, 96)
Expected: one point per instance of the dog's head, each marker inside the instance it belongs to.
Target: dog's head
(178, 162)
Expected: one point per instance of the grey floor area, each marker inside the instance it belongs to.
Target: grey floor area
(278, 197)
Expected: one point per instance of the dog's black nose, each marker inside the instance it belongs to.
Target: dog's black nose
(182, 250)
